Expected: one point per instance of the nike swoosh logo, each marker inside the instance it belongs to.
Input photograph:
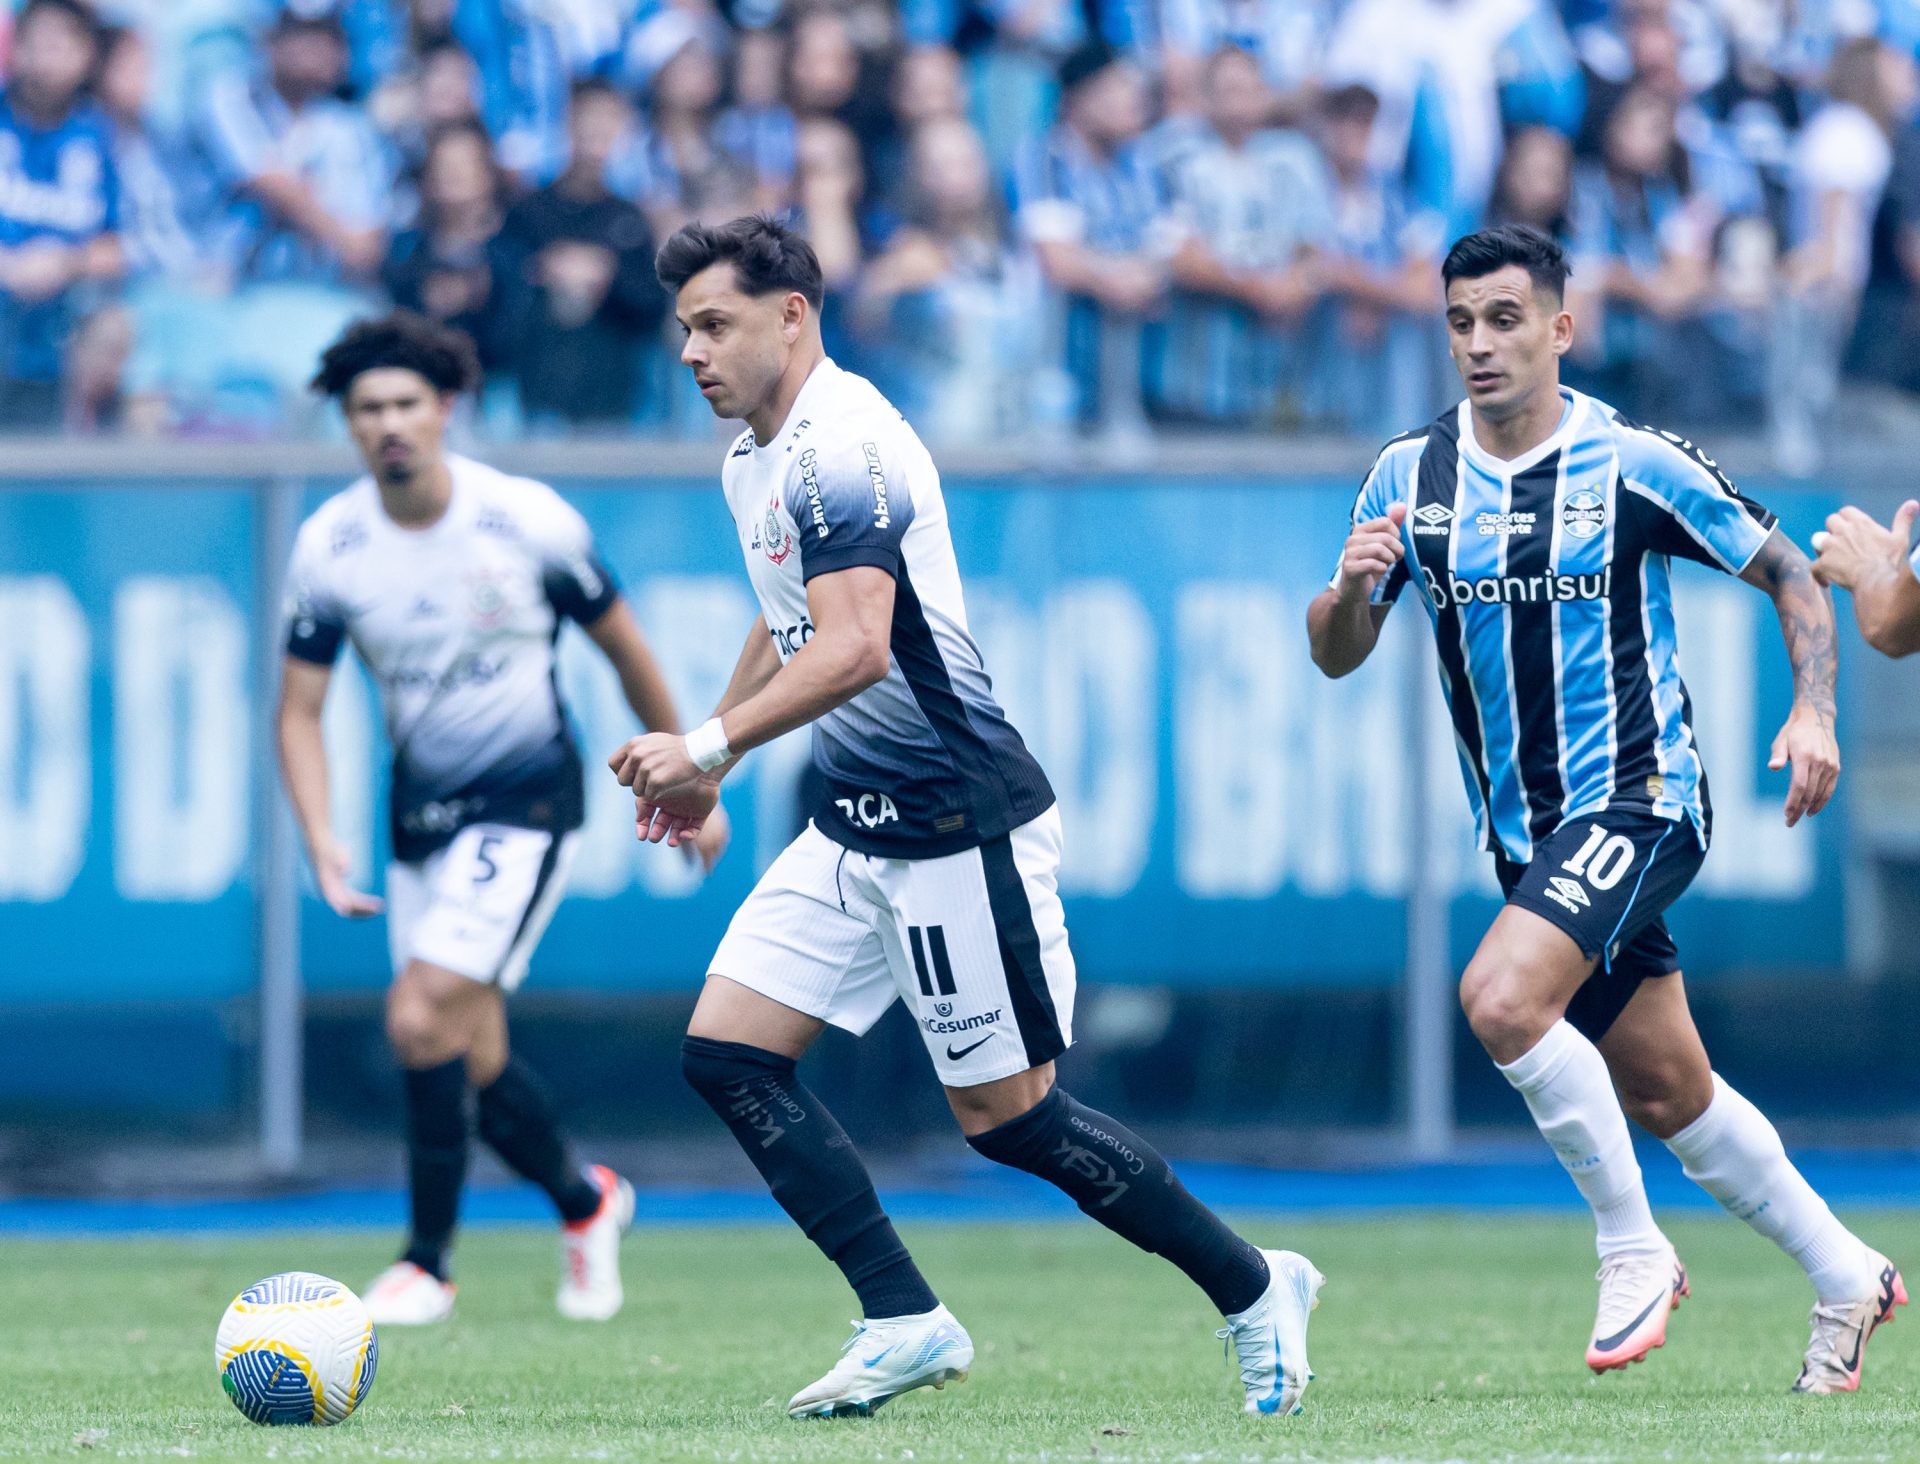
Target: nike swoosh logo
(871, 1361)
(1607, 1344)
(953, 1056)
(1852, 1364)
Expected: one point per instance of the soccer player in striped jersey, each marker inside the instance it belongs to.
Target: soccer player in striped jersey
(1881, 569)
(1537, 525)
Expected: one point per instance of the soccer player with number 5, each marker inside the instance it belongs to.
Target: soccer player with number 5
(1537, 524)
(452, 580)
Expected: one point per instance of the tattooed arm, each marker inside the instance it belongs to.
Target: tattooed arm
(1806, 623)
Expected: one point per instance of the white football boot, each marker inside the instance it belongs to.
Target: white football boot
(404, 1295)
(590, 1289)
(885, 1358)
(1271, 1335)
(1638, 1292)
(1840, 1332)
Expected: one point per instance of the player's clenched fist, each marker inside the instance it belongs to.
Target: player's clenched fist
(1373, 548)
(1855, 550)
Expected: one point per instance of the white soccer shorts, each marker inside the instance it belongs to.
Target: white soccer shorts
(975, 943)
(480, 905)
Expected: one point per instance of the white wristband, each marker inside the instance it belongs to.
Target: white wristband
(707, 745)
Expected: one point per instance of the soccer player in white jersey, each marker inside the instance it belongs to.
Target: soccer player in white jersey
(1881, 569)
(451, 580)
(929, 870)
(1537, 525)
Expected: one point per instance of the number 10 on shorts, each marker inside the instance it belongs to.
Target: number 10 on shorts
(1603, 860)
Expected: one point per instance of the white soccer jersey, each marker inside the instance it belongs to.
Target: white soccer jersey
(925, 763)
(457, 622)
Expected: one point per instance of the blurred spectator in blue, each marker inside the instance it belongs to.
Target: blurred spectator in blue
(524, 79)
(437, 89)
(1620, 46)
(1089, 200)
(1252, 206)
(1642, 254)
(581, 258)
(950, 309)
(59, 205)
(1014, 49)
(1535, 182)
(1756, 110)
(693, 160)
(1288, 38)
(449, 265)
(306, 180)
(1841, 168)
(829, 191)
(1379, 272)
(160, 251)
(153, 214)
(1888, 321)
(828, 75)
(1450, 74)
(929, 84)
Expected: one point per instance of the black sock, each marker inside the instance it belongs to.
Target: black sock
(436, 1160)
(516, 1119)
(1118, 1178)
(812, 1168)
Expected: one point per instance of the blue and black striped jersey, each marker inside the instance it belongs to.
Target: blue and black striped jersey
(1546, 579)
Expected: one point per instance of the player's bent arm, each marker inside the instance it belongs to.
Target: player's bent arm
(849, 651)
(1888, 611)
(1805, 609)
(758, 664)
(618, 635)
(1342, 630)
(303, 749)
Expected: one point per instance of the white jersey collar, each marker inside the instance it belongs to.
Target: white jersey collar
(819, 381)
(1511, 467)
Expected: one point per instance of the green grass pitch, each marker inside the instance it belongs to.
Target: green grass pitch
(1438, 1338)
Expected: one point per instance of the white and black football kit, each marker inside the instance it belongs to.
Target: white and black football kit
(457, 622)
(929, 870)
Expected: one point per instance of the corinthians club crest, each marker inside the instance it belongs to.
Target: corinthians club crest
(774, 538)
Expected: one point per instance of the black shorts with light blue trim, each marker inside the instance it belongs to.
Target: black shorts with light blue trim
(1607, 879)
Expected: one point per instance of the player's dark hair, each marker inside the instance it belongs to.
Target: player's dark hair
(765, 254)
(1538, 253)
(405, 341)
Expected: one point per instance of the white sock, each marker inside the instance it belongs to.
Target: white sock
(1564, 1079)
(1735, 1155)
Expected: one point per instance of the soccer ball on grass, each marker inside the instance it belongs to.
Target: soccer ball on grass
(296, 1348)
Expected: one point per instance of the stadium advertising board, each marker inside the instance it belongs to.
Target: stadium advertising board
(1232, 818)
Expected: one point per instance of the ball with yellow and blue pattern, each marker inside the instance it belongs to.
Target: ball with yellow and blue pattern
(296, 1349)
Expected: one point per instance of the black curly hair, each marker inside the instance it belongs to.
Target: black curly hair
(405, 340)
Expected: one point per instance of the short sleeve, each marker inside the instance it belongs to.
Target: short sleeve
(577, 583)
(316, 624)
(852, 508)
(1383, 486)
(1700, 514)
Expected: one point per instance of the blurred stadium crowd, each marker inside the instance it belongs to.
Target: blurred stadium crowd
(1033, 214)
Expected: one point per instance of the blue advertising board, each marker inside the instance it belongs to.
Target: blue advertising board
(1232, 818)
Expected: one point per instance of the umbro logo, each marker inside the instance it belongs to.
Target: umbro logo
(1567, 893)
(1433, 518)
